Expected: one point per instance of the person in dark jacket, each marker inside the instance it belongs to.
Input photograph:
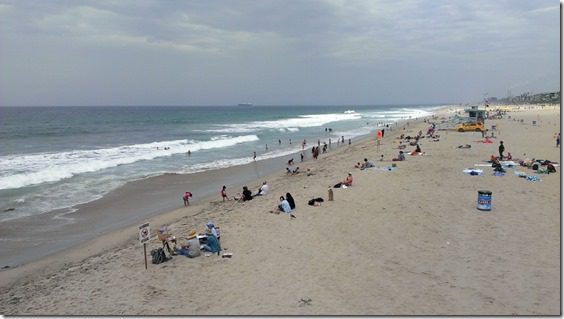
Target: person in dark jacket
(290, 200)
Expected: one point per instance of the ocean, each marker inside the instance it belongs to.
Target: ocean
(55, 158)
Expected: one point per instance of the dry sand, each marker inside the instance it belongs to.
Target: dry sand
(403, 242)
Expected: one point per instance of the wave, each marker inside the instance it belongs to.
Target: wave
(291, 124)
(26, 170)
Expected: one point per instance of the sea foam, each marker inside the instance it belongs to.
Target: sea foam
(25, 170)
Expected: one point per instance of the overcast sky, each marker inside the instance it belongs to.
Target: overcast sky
(279, 52)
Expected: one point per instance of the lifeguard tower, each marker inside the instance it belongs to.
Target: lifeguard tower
(476, 113)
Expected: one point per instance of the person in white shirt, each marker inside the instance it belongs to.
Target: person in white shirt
(263, 190)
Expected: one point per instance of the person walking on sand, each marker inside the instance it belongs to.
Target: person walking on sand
(224, 193)
(254, 156)
(501, 149)
(558, 140)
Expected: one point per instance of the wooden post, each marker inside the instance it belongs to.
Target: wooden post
(145, 253)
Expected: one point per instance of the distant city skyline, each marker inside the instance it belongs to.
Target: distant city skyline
(275, 52)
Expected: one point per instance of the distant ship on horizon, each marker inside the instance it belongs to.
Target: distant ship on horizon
(245, 104)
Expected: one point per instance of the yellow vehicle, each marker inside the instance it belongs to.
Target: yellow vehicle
(470, 126)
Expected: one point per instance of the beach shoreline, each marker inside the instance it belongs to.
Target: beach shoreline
(329, 169)
(135, 202)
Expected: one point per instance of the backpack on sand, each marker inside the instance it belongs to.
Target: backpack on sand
(158, 256)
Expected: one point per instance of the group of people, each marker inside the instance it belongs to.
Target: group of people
(246, 194)
(366, 164)
(286, 205)
(193, 245)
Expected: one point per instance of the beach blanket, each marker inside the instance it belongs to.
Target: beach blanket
(485, 142)
(530, 178)
(508, 164)
(473, 171)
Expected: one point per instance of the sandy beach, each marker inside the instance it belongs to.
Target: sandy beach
(407, 241)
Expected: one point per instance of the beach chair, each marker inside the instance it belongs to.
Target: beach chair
(166, 239)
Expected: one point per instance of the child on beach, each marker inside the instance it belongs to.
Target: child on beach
(186, 198)
(224, 193)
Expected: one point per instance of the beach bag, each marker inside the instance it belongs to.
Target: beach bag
(312, 202)
(535, 167)
(158, 256)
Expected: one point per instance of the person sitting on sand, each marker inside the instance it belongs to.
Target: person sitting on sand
(210, 228)
(497, 166)
(296, 171)
(357, 165)
(417, 148)
(291, 201)
(401, 157)
(212, 244)
(247, 195)
(367, 164)
(347, 182)
(263, 189)
(283, 206)
(166, 238)
(186, 198)
(192, 246)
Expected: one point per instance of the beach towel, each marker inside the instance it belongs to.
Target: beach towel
(533, 178)
(508, 164)
(473, 171)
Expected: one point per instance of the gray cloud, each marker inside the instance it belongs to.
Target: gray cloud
(273, 51)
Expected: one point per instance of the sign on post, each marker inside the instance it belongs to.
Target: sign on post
(144, 233)
(144, 237)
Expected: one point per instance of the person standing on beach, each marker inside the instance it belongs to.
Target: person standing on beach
(558, 140)
(254, 156)
(501, 149)
(224, 193)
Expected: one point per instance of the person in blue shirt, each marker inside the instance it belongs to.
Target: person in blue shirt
(212, 244)
(284, 206)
